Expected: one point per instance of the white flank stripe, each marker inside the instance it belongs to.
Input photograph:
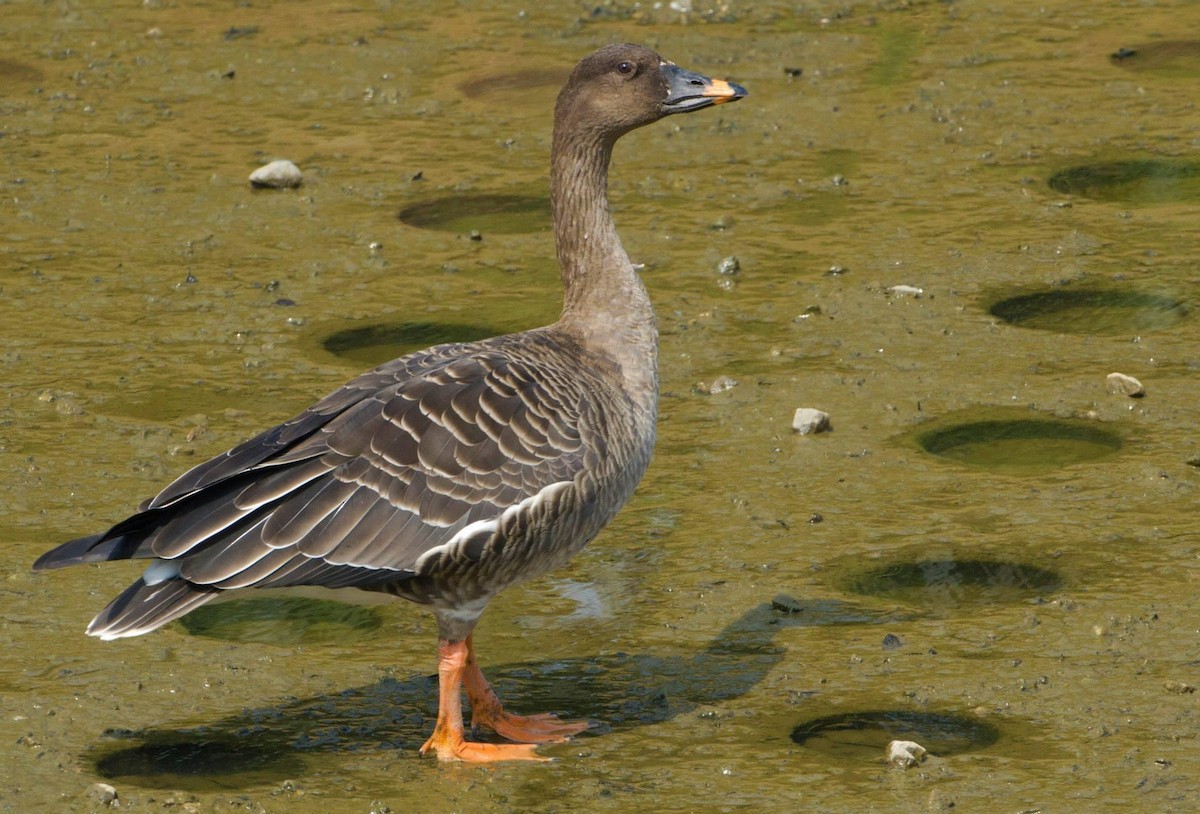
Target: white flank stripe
(489, 526)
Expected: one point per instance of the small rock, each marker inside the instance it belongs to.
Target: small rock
(785, 604)
(1121, 385)
(906, 290)
(905, 754)
(939, 800)
(236, 33)
(280, 174)
(719, 385)
(729, 266)
(69, 407)
(103, 794)
(809, 312)
(1179, 687)
(807, 421)
(892, 642)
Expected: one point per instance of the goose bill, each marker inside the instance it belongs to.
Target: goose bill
(688, 90)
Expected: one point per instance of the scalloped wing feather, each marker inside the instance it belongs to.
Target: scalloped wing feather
(422, 455)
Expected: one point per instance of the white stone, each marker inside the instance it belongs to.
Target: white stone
(905, 754)
(808, 420)
(1122, 385)
(103, 794)
(906, 291)
(277, 175)
(721, 384)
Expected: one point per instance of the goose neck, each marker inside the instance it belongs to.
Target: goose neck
(601, 286)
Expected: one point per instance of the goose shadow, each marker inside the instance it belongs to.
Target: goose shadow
(615, 691)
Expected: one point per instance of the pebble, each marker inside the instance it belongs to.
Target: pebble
(808, 420)
(729, 266)
(786, 604)
(905, 754)
(719, 385)
(236, 33)
(280, 174)
(939, 800)
(64, 403)
(906, 290)
(1121, 385)
(1178, 687)
(103, 794)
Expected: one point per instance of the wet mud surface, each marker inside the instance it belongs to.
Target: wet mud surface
(952, 222)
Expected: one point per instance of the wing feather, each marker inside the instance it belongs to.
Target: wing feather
(362, 485)
(294, 519)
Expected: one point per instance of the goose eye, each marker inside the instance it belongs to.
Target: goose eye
(625, 68)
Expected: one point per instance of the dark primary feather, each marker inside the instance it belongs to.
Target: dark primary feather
(354, 490)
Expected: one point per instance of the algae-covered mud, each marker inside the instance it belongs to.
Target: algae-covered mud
(952, 221)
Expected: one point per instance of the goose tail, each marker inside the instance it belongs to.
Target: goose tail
(141, 608)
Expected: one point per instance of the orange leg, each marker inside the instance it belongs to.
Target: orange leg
(487, 710)
(447, 738)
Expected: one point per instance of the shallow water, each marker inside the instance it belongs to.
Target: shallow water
(155, 310)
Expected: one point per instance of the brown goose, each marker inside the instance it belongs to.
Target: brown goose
(447, 475)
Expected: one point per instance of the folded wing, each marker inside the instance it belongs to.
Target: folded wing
(353, 491)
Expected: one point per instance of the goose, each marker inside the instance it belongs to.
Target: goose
(449, 474)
